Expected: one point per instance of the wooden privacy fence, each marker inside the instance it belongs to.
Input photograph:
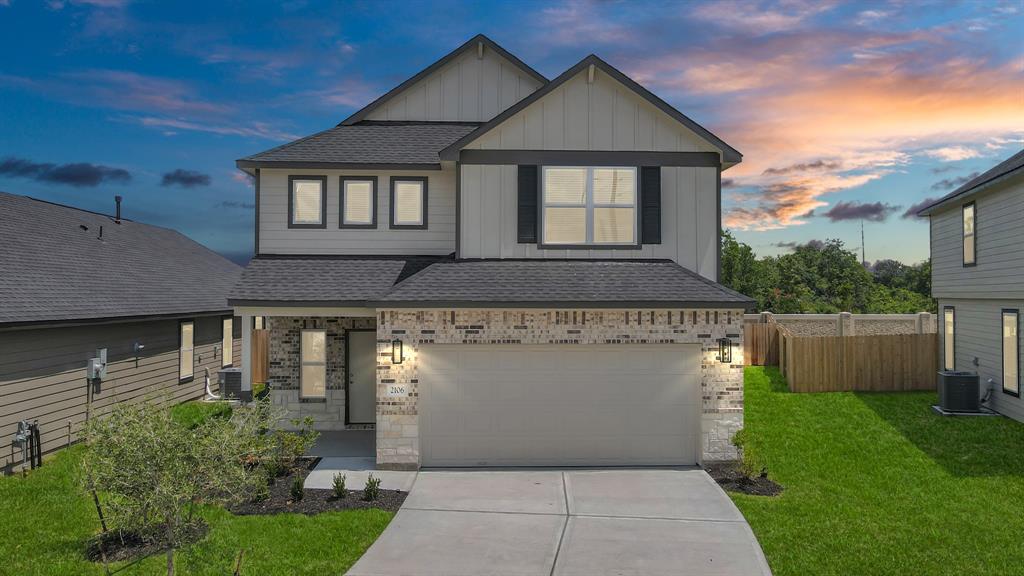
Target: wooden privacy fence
(895, 362)
(761, 344)
(260, 355)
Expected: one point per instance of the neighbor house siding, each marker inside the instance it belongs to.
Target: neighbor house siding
(467, 89)
(999, 268)
(978, 325)
(689, 219)
(43, 378)
(604, 115)
(275, 237)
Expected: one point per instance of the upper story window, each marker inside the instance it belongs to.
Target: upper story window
(409, 202)
(306, 201)
(358, 202)
(589, 206)
(970, 247)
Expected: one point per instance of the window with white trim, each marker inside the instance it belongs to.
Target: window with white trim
(306, 202)
(1011, 352)
(408, 202)
(358, 202)
(186, 349)
(313, 358)
(227, 342)
(948, 339)
(589, 206)
(970, 248)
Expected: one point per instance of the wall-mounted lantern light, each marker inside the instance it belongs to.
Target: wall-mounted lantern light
(725, 351)
(396, 351)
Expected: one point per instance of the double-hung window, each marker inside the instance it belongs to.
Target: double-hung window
(313, 357)
(227, 341)
(307, 202)
(408, 202)
(186, 349)
(358, 202)
(1011, 352)
(589, 206)
(970, 245)
(948, 338)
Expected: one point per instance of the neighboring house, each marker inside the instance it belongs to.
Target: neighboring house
(977, 246)
(74, 281)
(491, 268)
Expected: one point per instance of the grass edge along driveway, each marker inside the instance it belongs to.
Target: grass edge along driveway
(876, 483)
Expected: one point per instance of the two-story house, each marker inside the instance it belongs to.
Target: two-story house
(492, 268)
(978, 279)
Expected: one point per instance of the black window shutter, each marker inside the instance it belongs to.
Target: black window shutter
(650, 205)
(528, 192)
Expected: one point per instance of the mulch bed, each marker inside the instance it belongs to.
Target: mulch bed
(314, 501)
(130, 545)
(730, 477)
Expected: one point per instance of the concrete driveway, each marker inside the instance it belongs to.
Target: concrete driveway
(579, 522)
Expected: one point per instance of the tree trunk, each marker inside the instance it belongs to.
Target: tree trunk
(170, 562)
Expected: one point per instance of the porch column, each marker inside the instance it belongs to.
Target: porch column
(246, 356)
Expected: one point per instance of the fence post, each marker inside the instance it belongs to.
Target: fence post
(924, 322)
(845, 324)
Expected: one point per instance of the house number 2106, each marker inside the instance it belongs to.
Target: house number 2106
(397, 390)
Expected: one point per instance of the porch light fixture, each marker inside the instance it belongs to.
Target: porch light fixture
(396, 351)
(725, 351)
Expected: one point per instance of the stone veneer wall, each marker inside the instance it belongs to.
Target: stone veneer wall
(722, 384)
(283, 376)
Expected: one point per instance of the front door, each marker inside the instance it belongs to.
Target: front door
(361, 391)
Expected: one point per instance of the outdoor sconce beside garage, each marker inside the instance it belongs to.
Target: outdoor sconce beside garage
(396, 351)
(725, 351)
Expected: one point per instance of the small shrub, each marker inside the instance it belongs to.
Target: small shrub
(273, 469)
(372, 489)
(339, 485)
(297, 489)
(752, 461)
(290, 446)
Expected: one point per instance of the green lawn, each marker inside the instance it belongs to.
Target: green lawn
(876, 483)
(47, 520)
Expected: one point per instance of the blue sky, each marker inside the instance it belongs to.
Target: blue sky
(844, 111)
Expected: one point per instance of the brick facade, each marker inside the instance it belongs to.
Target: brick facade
(283, 376)
(721, 384)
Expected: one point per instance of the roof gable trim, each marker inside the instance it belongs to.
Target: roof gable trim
(729, 154)
(471, 44)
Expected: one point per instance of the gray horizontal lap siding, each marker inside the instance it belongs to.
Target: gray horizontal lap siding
(42, 372)
(978, 335)
(999, 269)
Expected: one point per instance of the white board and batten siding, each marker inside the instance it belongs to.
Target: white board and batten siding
(999, 272)
(689, 219)
(467, 89)
(277, 238)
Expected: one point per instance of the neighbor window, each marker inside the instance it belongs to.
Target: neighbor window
(1011, 352)
(358, 202)
(259, 322)
(227, 340)
(589, 206)
(970, 245)
(313, 356)
(948, 339)
(186, 350)
(306, 201)
(408, 202)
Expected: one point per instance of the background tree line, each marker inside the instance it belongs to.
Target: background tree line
(825, 277)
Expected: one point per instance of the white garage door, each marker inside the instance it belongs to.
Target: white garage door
(513, 405)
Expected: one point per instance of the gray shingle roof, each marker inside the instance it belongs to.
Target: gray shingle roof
(365, 144)
(53, 270)
(420, 281)
(561, 282)
(312, 280)
(1011, 164)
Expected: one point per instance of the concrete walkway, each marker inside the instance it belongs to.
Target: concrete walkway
(573, 522)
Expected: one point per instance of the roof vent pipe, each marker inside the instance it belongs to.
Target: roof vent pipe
(117, 214)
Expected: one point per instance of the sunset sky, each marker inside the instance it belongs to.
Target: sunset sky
(844, 112)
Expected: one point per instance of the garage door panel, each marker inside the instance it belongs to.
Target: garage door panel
(553, 405)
